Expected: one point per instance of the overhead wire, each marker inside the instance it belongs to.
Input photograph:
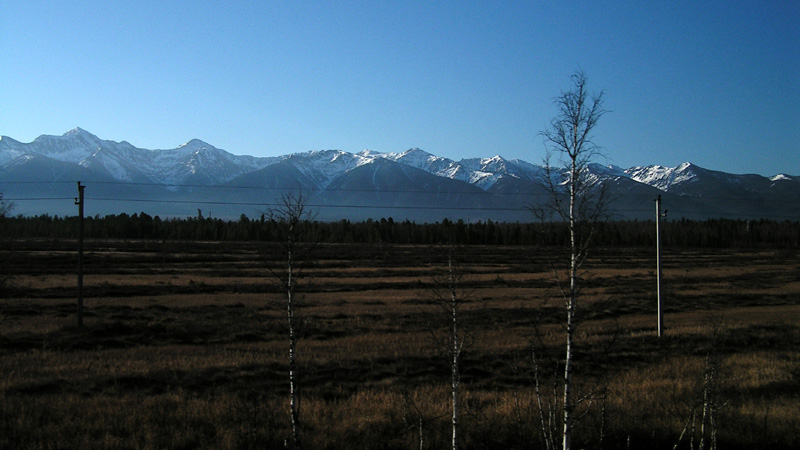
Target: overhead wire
(405, 191)
(350, 206)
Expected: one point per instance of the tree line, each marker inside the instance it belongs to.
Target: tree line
(717, 233)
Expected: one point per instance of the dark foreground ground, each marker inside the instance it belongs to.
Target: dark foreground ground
(184, 345)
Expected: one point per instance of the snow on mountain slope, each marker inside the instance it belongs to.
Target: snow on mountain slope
(782, 177)
(421, 159)
(496, 183)
(480, 172)
(323, 166)
(608, 170)
(73, 147)
(662, 177)
(9, 150)
(193, 161)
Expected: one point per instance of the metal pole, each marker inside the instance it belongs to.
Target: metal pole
(79, 202)
(658, 263)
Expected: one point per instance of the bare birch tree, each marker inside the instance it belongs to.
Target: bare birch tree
(578, 200)
(289, 214)
(449, 296)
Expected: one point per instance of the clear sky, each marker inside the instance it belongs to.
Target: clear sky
(714, 83)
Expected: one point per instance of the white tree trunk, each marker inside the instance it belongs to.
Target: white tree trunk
(455, 349)
(293, 406)
(289, 214)
(571, 307)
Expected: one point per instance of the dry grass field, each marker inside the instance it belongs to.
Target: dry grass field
(184, 346)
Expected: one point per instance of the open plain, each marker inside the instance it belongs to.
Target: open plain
(184, 346)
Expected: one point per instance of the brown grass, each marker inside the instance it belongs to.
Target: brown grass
(187, 350)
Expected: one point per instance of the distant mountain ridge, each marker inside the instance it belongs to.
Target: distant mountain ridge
(413, 184)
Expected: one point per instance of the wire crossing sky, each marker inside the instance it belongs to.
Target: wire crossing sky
(714, 83)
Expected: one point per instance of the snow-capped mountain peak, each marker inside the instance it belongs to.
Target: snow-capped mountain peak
(662, 177)
(72, 147)
(78, 131)
(781, 177)
(323, 166)
(77, 134)
(609, 170)
(196, 144)
(684, 167)
(414, 157)
(367, 153)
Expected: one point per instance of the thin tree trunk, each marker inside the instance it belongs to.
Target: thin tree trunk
(567, 436)
(288, 217)
(421, 441)
(293, 406)
(571, 306)
(454, 381)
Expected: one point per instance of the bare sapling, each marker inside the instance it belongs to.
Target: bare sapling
(288, 216)
(450, 298)
(702, 408)
(414, 417)
(577, 199)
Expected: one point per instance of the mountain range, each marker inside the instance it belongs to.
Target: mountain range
(41, 177)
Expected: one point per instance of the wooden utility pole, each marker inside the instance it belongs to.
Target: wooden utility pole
(79, 202)
(658, 263)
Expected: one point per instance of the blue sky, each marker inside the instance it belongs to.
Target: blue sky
(714, 83)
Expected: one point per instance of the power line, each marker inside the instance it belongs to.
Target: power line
(355, 206)
(207, 202)
(478, 191)
(389, 191)
(267, 204)
(381, 207)
(15, 199)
